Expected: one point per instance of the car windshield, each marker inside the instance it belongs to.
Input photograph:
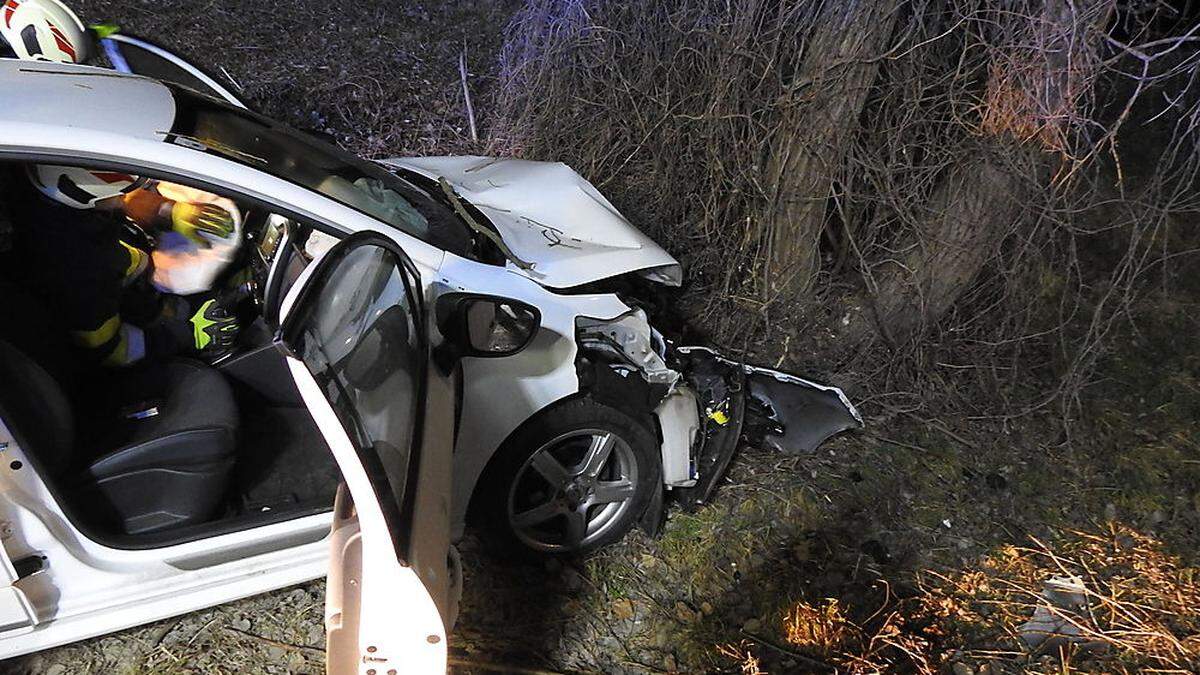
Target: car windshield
(298, 158)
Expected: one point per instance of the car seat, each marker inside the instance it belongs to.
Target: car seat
(135, 450)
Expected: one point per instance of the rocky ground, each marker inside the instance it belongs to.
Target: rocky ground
(919, 544)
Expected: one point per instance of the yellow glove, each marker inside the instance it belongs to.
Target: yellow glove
(202, 223)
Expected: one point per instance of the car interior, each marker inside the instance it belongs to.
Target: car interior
(173, 450)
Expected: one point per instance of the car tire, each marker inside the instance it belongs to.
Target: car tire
(574, 478)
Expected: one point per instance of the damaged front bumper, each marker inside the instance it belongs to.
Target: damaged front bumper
(705, 405)
(758, 406)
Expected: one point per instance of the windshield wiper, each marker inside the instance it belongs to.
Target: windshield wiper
(462, 212)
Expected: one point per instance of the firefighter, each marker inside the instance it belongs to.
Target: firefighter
(69, 235)
(72, 249)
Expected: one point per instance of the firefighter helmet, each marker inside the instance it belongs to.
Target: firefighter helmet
(44, 30)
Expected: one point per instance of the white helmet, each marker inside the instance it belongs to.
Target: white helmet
(81, 188)
(44, 30)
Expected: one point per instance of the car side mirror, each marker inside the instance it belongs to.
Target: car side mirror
(486, 326)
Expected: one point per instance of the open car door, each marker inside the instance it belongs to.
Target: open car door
(357, 343)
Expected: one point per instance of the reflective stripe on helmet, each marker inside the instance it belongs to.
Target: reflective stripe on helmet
(9, 8)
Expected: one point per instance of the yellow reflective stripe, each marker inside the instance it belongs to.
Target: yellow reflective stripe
(131, 348)
(119, 356)
(138, 261)
(97, 337)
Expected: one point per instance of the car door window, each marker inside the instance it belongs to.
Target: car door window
(358, 329)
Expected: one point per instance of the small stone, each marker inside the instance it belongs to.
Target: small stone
(623, 609)
(706, 608)
(751, 625)
(275, 654)
(242, 624)
(1110, 511)
(648, 561)
(684, 613)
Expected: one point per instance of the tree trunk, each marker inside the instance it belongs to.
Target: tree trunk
(810, 146)
(970, 212)
(1030, 97)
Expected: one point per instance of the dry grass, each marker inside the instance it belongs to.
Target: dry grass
(1140, 614)
(744, 656)
(822, 628)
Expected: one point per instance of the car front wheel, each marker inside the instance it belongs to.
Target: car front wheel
(574, 478)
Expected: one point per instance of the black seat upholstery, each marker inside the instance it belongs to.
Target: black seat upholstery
(141, 450)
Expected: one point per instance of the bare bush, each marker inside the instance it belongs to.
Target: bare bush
(944, 182)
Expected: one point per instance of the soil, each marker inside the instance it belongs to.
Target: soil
(857, 522)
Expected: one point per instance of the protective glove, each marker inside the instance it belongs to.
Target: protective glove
(214, 330)
(202, 223)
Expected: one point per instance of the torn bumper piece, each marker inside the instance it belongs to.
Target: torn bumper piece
(760, 406)
(791, 414)
(705, 404)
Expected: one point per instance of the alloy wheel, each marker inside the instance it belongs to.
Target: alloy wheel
(572, 490)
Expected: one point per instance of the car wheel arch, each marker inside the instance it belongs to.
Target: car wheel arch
(498, 479)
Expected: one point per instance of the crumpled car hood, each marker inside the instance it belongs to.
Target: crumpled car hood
(551, 217)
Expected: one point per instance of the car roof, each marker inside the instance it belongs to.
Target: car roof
(84, 97)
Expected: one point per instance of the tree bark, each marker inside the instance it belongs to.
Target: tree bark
(970, 212)
(811, 143)
(980, 200)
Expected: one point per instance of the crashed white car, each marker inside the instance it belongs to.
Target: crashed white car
(440, 337)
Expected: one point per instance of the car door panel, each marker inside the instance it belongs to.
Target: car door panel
(356, 339)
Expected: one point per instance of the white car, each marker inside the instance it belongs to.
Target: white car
(438, 336)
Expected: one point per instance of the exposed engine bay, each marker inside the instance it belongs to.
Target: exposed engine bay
(704, 405)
